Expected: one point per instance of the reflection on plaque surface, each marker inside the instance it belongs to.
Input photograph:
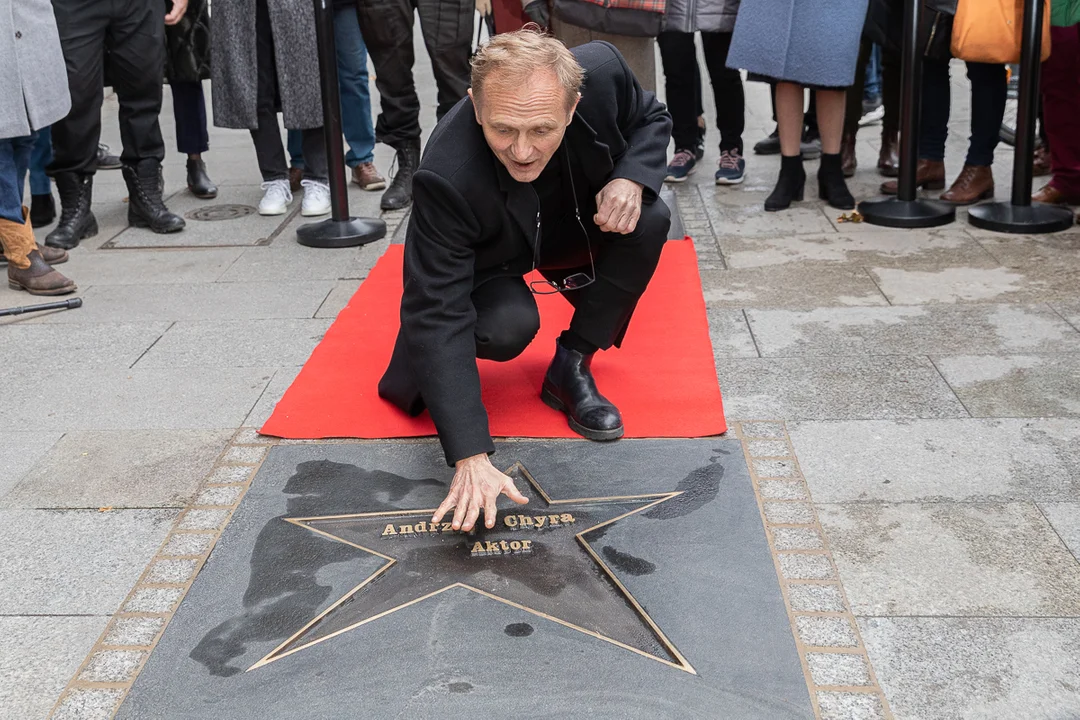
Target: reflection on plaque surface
(537, 558)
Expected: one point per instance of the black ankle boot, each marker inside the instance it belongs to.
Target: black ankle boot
(790, 185)
(831, 185)
(399, 194)
(76, 220)
(42, 210)
(198, 182)
(569, 387)
(145, 206)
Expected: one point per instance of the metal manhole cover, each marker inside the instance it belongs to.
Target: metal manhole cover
(213, 213)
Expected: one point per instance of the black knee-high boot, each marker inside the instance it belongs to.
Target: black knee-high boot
(831, 185)
(790, 185)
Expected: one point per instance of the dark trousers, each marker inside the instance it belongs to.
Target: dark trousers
(988, 95)
(683, 81)
(890, 91)
(387, 27)
(133, 31)
(267, 136)
(507, 318)
(1061, 108)
(189, 112)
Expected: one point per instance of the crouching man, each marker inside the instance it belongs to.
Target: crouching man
(553, 162)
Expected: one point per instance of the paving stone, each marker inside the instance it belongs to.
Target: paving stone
(75, 562)
(729, 333)
(782, 489)
(739, 213)
(910, 286)
(1064, 517)
(251, 436)
(153, 600)
(850, 706)
(203, 520)
(51, 350)
(812, 597)
(826, 631)
(228, 474)
(789, 513)
(846, 388)
(38, 655)
(136, 399)
(338, 298)
(290, 261)
(951, 559)
(246, 454)
(1070, 311)
(171, 572)
(762, 430)
(236, 343)
(838, 669)
(805, 566)
(796, 538)
(112, 666)
(775, 468)
(767, 448)
(804, 286)
(275, 390)
(83, 704)
(963, 460)
(200, 302)
(1023, 250)
(1015, 385)
(976, 668)
(134, 631)
(158, 266)
(912, 330)
(189, 543)
(857, 245)
(219, 496)
(19, 451)
(129, 468)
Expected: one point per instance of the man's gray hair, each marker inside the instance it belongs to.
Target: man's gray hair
(517, 55)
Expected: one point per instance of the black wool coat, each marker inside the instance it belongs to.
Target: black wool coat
(471, 222)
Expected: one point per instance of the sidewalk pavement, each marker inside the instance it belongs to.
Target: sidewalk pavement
(928, 381)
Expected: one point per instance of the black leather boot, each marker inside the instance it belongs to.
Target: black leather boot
(790, 184)
(76, 220)
(198, 182)
(145, 206)
(399, 194)
(569, 387)
(42, 210)
(831, 185)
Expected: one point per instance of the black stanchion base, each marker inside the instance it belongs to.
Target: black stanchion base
(341, 233)
(1026, 219)
(894, 212)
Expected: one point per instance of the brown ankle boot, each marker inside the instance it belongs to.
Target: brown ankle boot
(929, 174)
(888, 163)
(975, 183)
(848, 160)
(39, 278)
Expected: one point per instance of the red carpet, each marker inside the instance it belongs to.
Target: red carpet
(663, 379)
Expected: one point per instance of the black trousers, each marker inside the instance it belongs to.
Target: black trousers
(133, 32)
(267, 136)
(189, 112)
(890, 91)
(507, 318)
(683, 82)
(387, 27)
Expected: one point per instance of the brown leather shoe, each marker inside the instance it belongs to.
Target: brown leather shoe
(367, 177)
(1052, 196)
(295, 176)
(888, 163)
(39, 278)
(974, 183)
(929, 174)
(848, 159)
(1040, 162)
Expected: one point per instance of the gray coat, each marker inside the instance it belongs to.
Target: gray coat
(811, 42)
(705, 15)
(235, 72)
(33, 77)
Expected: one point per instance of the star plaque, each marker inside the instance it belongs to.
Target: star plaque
(538, 558)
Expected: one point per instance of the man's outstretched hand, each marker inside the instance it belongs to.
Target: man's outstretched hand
(476, 486)
(618, 206)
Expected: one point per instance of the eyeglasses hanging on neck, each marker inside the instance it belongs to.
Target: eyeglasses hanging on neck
(578, 280)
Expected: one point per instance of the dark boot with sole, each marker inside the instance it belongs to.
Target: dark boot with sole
(790, 184)
(42, 210)
(569, 387)
(831, 185)
(146, 209)
(399, 194)
(76, 221)
(198, 182)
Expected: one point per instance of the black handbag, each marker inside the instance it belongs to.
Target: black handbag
(187, 45)
(885, 23)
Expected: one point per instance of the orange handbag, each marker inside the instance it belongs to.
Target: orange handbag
(989, 31)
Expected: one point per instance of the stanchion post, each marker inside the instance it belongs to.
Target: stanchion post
(1022, 215)
(906, 210)
(341, 230)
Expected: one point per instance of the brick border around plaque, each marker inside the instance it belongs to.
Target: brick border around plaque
(105, 676)
(838, 672)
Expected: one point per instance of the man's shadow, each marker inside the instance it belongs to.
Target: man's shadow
(283, 592)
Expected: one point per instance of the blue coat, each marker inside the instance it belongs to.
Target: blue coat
(811, 42)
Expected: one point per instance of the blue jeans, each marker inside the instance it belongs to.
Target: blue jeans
(39, 160)
(14, 162)
(872, 88)
(355, 95)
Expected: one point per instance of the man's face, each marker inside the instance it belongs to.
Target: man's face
(524, 122)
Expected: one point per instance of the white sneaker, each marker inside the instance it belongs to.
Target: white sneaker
(276, 198)
(316, 198)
